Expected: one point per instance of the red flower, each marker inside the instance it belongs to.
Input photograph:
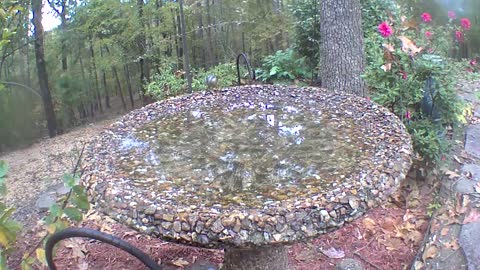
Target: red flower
(426, 17)
(469, 69)
(459, 36)
(473, 62)
(408, 115)
(428, 34)
(465, 22)
(452, 15)
(385, 29)
(404, 74)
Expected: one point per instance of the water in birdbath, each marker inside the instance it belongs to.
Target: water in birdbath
(241, 154)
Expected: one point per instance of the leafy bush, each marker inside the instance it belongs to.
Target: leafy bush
(307, 30)
(8, 227)
(60, 216)
(283, 65)
(226, 75)
(415, 80)
(166, 84)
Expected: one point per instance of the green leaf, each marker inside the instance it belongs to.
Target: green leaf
(55, 210)
(3, 260)
(81, 201)
(73, 213)
(70, 180)
(3, 168)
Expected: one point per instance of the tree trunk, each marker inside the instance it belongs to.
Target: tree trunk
(129, 84)
(342, 58)
(209, 44)
(264, 258)
(94, 70)
(115, 73)
(82, 110)
(105, 87)
(42, 70)
(142, 44)
(186, 59)
(63, 26)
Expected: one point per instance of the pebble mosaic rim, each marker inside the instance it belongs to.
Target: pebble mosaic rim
(280, 222)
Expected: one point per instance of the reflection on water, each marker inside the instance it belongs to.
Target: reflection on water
(244, 148)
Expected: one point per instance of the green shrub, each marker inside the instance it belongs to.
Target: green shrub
(283, 65)
(401, 68)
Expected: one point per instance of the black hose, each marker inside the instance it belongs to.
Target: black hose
(100, 236)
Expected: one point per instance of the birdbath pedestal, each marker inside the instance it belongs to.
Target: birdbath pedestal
(247, 169)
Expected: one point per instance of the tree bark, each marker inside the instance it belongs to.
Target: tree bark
(94, 71)
(142, 44)
(129, 84)
(186, 57)
(209, 44)
(342, 57)
(261, 258)
(105, 87)
(119, 85)
(42, 70)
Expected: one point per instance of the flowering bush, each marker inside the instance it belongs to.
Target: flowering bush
(409, 73)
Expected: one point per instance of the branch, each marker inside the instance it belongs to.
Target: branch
(18, 48)
(52, 5)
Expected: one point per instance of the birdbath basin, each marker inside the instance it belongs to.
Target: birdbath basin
(248, 169)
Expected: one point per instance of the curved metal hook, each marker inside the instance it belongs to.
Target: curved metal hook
(100, 236)
(251, 71)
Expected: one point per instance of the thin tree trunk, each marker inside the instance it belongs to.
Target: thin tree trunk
(129, 84)
(342, 58)
(42, 70)
(94, 71)
(105, 87)
(119, 86)
(63, 26)
(142, 44)
(186, 57)
(209, 44)
(82, 111)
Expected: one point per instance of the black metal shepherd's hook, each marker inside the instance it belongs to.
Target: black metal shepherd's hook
(251, 71)
(100, 236)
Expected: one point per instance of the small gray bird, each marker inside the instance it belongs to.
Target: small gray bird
(211, 82)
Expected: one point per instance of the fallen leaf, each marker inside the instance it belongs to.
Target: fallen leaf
(451, 174)
(77, 245)
(457, 159)
(409, 45)
(388, 225)
(391, 243)
(415, 237)
(418, 265)
(430, 252)
(472, 216)
(387, 67)
(477, 188)
(444, 231)
(332, 253)
(369, 224)
(180, 262)
(130, 233)
(452, 245)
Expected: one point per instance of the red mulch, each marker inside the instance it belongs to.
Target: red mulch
(386, 238)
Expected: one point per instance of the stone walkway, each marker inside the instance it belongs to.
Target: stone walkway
(454, 239)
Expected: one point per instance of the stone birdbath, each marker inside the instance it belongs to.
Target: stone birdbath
(247, 169)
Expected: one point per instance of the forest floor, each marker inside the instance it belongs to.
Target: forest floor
(386, 238)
